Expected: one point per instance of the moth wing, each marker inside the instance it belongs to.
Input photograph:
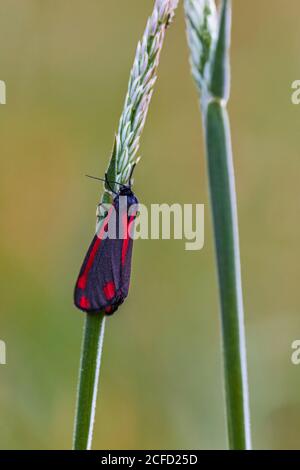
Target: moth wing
(104, 278)
(126, 258)
(100, 279)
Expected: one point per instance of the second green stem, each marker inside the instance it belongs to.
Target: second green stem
(224, 210)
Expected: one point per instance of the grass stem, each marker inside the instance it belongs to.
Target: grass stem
(124, 155)
(88, 380)
(224, 210)
(209, 40)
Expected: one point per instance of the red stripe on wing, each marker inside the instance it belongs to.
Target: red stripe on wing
(84, 303)
(82, 281)
(109, 290)
(126, 239)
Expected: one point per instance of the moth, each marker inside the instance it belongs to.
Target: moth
(104, 278)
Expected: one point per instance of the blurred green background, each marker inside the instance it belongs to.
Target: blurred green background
(66, 67)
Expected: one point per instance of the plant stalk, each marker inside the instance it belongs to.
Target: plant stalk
(124, 155)
(88, 380)
(209, 40)
(224, 211)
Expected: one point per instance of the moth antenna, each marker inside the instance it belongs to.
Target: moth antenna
(131, 173)
(104, 181)
(108, 184)
(95, 178)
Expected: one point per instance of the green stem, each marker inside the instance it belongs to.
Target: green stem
(141, 84)
(224, 210)
(88, 380)
(214, 87)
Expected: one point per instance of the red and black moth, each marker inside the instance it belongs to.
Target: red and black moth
(104, 278)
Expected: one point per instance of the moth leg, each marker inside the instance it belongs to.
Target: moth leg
(101, 211)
